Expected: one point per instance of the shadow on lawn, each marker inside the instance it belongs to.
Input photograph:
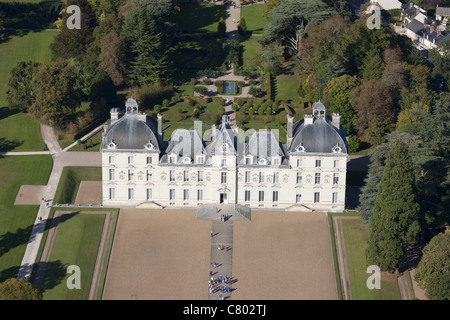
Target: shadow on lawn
(8, 145)
(22, 236)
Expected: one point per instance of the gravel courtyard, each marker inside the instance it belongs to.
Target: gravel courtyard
(165, 254)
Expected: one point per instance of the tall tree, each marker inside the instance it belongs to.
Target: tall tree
(56, 95)
(395, 215)
(113, 57)
(374, 106)
(149, 46)
(289, 21)
(20, 92)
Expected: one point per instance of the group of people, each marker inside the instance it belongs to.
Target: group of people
(214, 284)
(47, 202)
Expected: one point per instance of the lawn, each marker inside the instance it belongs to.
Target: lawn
(19, 132)
(355, 237)
(16, 222)
(251, 52)
(253, 18)
(70, 181)
(33, 45)
(199, 53)
(76, 243)
(286, 88)
(194, 17)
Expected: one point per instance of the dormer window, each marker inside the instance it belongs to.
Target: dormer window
(186, 160)
(262, 161)
(336, 149)
(112, 145)
(276, 161)
(248, 160)
(172, 159)
(300, 149)
(149, 146)
(200, 159)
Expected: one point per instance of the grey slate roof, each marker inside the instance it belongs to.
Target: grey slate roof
(319, 137)
(184, 143)
(130, 132)
(225, 135)
(443, 11)
(415, 26)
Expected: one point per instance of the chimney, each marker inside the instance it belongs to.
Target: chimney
(114, 115)
(336, 119)
(213, 132)
(438, 32)
(309, 119)
(160, 131)
(142, 116)
(290, 129)
(411, 4)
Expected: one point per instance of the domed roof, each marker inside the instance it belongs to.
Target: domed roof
(131, 132)
(318, 137)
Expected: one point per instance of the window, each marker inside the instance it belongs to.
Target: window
(130, 175)
(223, 177)
(298, 197)
(316, 197)
(335, 197)
(275, 196)
(336, 178)
(247, 195)
(149, 175)
(149, 194)
(186, 194)
(172, 175)
(200, 159)
(149, 160)
(247, 176)
(111, 159)
(247, 161)
(172, 159)
(276, 177)
(336, 163)
(299, 163)
(317, 178)
(223, 162)
(261, 196)
(299, 177)
(130, 193)
(111, 174)
(261, 177)
(130, 160)
(112, 193)
(200, 194)
(200, 176)
(185, 175)
(276, 161)
(172, 194)
(318, 163)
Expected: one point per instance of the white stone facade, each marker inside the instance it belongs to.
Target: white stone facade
(252, 173)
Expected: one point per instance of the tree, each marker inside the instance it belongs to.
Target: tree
(338, 99)
(242, 27)
(73, 43)
(113, 57)
(149, 46)
(221, 28)
(375, 110)
(20, 92)
(440, 57)
(395, 215)
(434, 266)
(56, 97)
(18, 289)
(289, 21)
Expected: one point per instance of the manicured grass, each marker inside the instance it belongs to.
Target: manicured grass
(200, 53)
(76, 243)
(286, 88)
(16, 222)
(33, 45)
(251, 52)
(356, 236)
(19, 132)
(70, 181)
(253, 18)
(194, 17)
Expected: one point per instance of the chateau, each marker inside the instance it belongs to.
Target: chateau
(224, 164)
